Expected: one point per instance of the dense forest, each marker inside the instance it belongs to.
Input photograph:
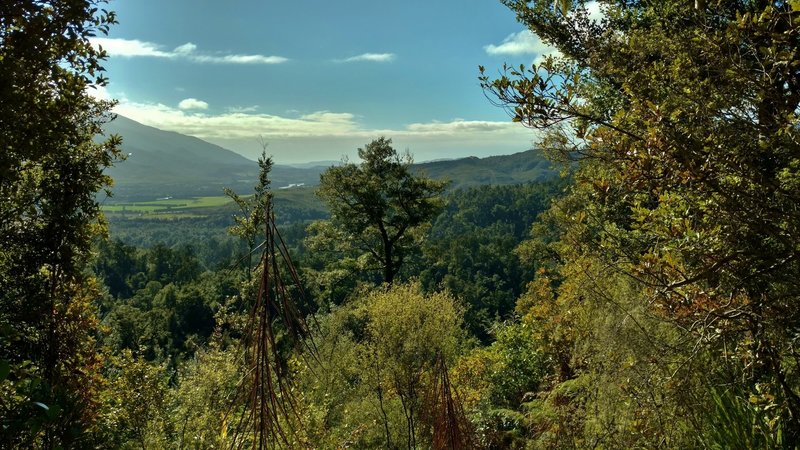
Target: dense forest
(647, 298)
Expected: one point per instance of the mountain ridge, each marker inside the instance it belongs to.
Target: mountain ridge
(165, 163)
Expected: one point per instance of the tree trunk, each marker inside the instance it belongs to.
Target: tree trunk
(388, 258)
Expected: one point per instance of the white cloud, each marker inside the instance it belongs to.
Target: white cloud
(594, 11)
(242, 109)
(192, 103)
(185, 49)
(522, 43)
(328, 116)
(325, 135)
(129, 48)
(372, 57)
(527, 43)
(235, 125)
(98, 92)
(239, 59)
(460, 126)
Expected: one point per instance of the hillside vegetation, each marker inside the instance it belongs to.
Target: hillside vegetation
(649, 298)
(523, 167)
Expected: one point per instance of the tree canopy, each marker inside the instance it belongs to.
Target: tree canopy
(51, 167)
(648, 300)
(380, 204)
(683, 118)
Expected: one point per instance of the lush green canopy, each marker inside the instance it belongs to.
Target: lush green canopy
(50, 170)
(684, 119)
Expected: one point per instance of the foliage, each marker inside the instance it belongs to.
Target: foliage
(199, 407)
(254, 210)
(496, 381)
(378, 365)
(378, 207)
(142, 408)
(738, 423)
(51, 167)
(162, 303)
(134, 401)
(682, 219)
(469, 250)
(406, 334)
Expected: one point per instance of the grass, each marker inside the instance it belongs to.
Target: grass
(193, 207)
(168, 204)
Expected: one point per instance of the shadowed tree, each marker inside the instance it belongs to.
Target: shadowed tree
(51, 168)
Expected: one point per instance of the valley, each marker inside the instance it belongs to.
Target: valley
(162, 164)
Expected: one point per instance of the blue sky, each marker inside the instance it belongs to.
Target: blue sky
(319, 79)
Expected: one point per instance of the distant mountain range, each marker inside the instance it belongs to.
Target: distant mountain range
(164, 163)
(520, 167)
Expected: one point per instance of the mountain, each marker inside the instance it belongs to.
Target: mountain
(168, 164)
(315, 164)
(164, 163)
(158, 156)
(520, 167)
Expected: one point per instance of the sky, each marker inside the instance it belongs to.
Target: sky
(318, 79)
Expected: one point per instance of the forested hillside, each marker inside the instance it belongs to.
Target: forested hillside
(645, 298)
(520, 167)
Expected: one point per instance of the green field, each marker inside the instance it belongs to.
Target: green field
(167, 205)
(202, 206)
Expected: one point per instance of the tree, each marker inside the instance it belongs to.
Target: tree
(380, 380)
(250, 224)
(469, 249)
(407, 334)
(51, 168)
(115, 264)
(199, 408)
(265, 394)
(380, 204)
(684, 121)
(135, 400)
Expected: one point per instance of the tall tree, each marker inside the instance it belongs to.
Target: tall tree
(685, 120)
(380, 204)
(51, 167)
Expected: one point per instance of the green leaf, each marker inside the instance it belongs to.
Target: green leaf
(41, 406)
(53, 412)
(5, 369)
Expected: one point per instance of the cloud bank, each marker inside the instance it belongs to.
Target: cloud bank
(235, 124)
(324, 135)
(131, 48)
